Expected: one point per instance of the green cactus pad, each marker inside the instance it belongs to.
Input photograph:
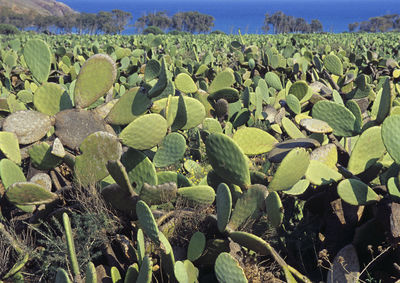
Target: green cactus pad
(91, 275)
(250, 241)
(227, 270)
(74, 125)
(333, 64)
(162, 82)
(119, 175)
(249, 205)
(9, 146)
(299, 188)
(274, 208)
(293, 103)
(254, 141)
(170, 176)
(28, 125)
(222, 80)
(132, 273)
(185, 84)
(62, 276)
(385, 102)
(229, 94)
(355, 109)
(201, 194)
(147, 222)
(368, 149)
(37, 56)
(291, 129)
(316, 126)
(159, 194)
(390, 128)
(10, 173)
(185, 272)
(130, 106)
(319, 173)
(273, 80)
(171, 150)
(144, 132)
(51, 98)
(301, 90)
(41, 157)
(291, 170)
(393, 187)
(224, 206)
(145, 271)
(356, 192)
(341, 119)
(97, 149)
(27, 193)
(95, 78)
(196, 246)
(326, 154)
(139, 168)
(227, 159)
(280, 150)
(212, 126)
(152, 70)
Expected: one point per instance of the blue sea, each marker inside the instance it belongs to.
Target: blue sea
(248, 15)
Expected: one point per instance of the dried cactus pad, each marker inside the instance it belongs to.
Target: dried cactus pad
(97, 149)
(9, 146)
(51, 98)
(28, 125)
(37, 56)
(74, 125)
(144, 132)
(95, 78)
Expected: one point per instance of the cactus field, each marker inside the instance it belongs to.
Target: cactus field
(200, 158)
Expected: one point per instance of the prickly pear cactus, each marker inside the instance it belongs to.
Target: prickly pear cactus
(9, 146)
(95, 78)
(185, 84)
(144, 132)
(37, 56)
(27, 193)
(51, 98)
(171, 150)
(254, 141)
(227, 269)
(228, 159)
(333, 64)
(96, 149)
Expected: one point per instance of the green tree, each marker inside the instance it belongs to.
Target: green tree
(192, 22)
(316, 26)
(121, 19)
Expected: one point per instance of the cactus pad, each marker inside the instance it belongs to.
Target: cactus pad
(316, 126)
(95, 78)
(27, 193)
(171, 150)
(222, 80)
(97, 149)
(356, 192)
(274, 208)
(227, 159)
(147, 222)
(341, 119)
(390, 128)
(273, 80)
(224, 206)
(333, 64)
(367, 150)
(201, 194)
(51, 98)
(130, 106)
(29, 125)
(196, 246)
(254, 141)
(144, 132)
(185, 84)
(9, 146)
(291, 170)
(37, 56)
(319, 173)
(41, 157)
(227, 269)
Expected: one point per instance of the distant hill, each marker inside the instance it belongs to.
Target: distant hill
(42, 7)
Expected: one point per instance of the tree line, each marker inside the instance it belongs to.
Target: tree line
(282, 23)
(113, 22)
(377, 24)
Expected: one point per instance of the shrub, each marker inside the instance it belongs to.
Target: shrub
(8, 29)
(153, 30)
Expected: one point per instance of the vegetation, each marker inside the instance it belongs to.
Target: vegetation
(199, 158)
(282, 23)
(377, 24)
